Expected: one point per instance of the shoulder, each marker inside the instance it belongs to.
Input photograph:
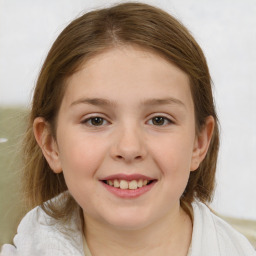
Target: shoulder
(213, 236)
(39, 234)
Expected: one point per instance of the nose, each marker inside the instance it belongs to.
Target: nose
(129, 145)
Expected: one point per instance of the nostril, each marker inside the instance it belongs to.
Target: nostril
(130, 158)
(120, 157)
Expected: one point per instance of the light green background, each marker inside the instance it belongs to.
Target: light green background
(12, 127)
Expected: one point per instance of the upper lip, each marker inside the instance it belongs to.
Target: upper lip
(129, 177)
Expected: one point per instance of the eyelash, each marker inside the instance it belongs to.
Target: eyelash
(166, 120)
(89, 120)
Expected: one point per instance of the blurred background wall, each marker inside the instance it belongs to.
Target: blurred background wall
(226, 31)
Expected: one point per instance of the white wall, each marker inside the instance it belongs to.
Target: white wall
(226, 30)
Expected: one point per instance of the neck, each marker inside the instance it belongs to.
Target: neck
(169, 236)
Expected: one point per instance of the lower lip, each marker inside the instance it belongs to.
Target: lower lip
(129, 193)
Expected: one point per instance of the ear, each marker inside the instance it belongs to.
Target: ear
(202, 142)
(47, 143)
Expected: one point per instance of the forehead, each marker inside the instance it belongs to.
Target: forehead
(132, 71)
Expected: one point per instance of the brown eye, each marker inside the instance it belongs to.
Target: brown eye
(96, 121)
(160, 120)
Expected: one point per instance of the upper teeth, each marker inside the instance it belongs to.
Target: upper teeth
(124, 184)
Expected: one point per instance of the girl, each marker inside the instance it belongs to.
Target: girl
(122, 144)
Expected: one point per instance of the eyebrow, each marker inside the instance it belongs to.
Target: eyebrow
(164, 101)
(94, 101)
(148, 102)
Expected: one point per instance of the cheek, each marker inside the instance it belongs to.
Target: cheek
(173, 159)
(80, 160)
(81, 156)
(173, 155)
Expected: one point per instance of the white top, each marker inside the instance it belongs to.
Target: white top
(39, 235)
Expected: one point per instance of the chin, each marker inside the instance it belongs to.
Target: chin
(129, 221)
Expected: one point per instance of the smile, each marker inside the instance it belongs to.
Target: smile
(128, 186)
(124, 184)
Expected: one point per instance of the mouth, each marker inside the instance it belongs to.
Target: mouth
(126, 184)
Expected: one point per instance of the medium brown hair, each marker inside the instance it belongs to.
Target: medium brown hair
(127, 23)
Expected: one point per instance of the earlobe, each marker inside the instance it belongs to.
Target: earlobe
(202, 142)
(47, 143)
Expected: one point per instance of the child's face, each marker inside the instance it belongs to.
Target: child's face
(127, 112)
